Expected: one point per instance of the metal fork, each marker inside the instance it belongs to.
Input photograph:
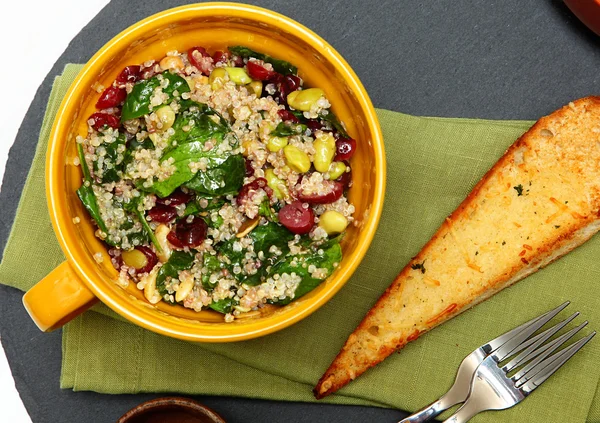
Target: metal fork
(459, 391)
(492, 389)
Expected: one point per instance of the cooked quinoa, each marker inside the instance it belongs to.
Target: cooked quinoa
(217, 181)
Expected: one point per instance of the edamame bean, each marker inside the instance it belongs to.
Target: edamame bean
(333, 222)
(274, 144)
(336, 170)
(256, 87)
(304, 99)
(296, 159)
(166, 117)
(324, 151)
(276, 184)
(238, 75)
(217, 78)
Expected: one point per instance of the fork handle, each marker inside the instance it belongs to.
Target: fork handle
(426, 413)
(465, 412)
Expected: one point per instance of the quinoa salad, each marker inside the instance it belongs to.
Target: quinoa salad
(217, 181)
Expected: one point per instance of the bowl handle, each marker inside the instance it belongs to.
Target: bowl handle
(58, 298)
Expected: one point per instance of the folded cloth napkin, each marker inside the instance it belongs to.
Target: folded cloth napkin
(432, 164)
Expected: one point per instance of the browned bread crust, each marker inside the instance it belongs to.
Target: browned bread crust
(537, 203)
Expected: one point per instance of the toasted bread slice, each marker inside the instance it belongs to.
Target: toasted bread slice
(537, 203)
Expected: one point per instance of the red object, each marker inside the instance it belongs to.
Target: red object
(176, 198)
(150, 257)
(297, 217)
(172, 238)
(336, 189)
(249, 168)
(162, 214)
(129, 74)
(203, 66)
(238, 62)
(284, 90)
(286, 115)
(111, 97)
(190, 234)
(345, 148)
(257, 71)
(293, 82)
(104, 119)
(220, 56)
(248, 190)
(314, 125)
(588, 12)
(346, 178)
(148, 72)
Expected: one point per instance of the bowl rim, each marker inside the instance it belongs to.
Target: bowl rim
(181, 403)
(58, 210)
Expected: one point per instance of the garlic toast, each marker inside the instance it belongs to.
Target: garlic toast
(537, 203)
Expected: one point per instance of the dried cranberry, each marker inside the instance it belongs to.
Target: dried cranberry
(191, 234)
(172, 238)
(150, 257)
(238, 62)
(249, 168)
(297, 217)
(258, 71)
(292, 82)
(276, 78)
(284, 90)
(176, 198)
(286, 115)
(314, 125)
(249, 190)
(129, 74)
(147, 72)
(104, 119)
(346, 178)
(162, 214)
(345, 148)
(111, 97)
(205, 66)
(334, 192)
(220, 56)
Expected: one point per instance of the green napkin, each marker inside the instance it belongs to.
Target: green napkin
(432, 164)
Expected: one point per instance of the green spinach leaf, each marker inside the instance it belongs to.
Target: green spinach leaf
(335, 122)
(331, 253)
(179, 260)
(226, 178)
(87, 196)
(271, 234)
(223, 306)
(281, 66)
(193, 129)
(265, 209)
(183, 155)
(212, 265)
(137, 102)
(198, 124)
(284, 129)
(110, 173)
(135, 206)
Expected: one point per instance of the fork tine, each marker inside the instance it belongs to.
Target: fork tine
(543, 352)
(530, 345)
(496, 343)
(509, 346)
(561, 358)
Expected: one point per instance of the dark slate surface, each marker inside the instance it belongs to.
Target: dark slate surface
(507, 59)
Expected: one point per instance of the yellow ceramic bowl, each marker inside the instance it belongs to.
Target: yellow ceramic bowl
(81, 280)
